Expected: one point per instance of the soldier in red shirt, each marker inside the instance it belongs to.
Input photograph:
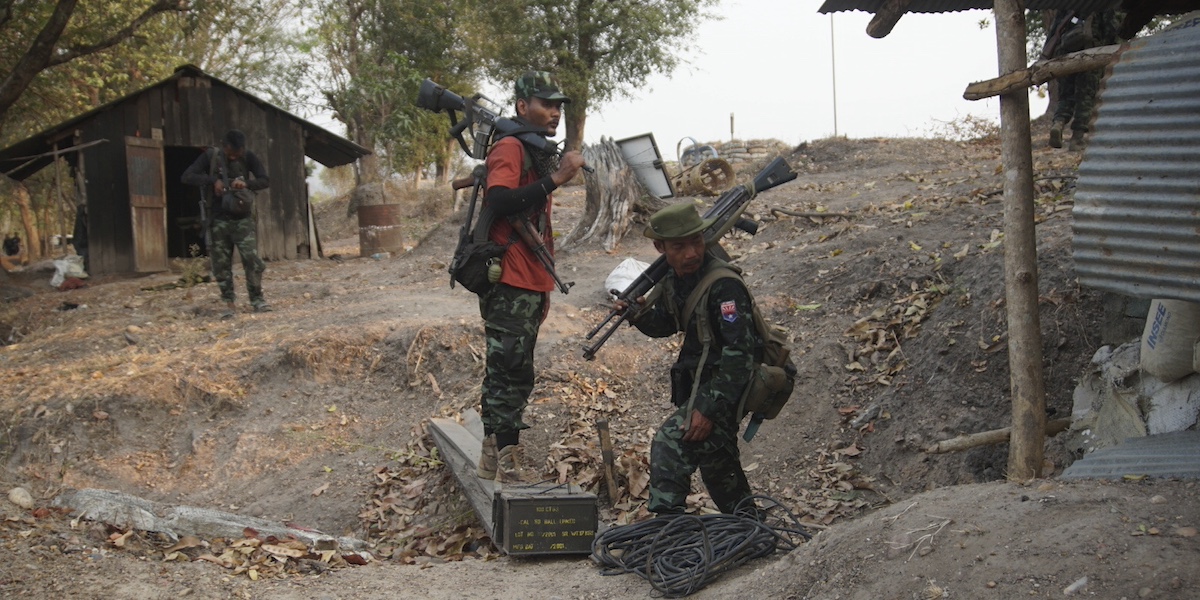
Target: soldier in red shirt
(520, 180)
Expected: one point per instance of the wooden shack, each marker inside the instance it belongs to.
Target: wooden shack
(127, 156)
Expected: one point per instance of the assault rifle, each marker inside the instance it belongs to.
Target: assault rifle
(481, 117)
(728, 211)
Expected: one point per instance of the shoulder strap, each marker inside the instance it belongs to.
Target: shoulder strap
(700, 294)
(699, 297)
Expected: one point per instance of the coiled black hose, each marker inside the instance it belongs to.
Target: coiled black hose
(680, 554)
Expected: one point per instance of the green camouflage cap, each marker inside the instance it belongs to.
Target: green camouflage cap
(677, 221)
(540, 84)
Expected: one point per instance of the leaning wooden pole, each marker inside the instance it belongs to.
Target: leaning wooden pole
(1020, 255)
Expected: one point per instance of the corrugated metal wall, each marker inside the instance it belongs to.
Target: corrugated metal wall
(1137, 205)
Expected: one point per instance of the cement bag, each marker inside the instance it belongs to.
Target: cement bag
(1172, 328)
(623, 275)
(67, 266)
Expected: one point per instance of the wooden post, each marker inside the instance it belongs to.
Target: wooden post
(889, 14)
(1020, 255)
(606, 456)
(62, 226)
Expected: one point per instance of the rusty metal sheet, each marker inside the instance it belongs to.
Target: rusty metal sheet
(1137, 205)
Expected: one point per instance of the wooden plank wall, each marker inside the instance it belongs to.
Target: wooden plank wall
(194, 112)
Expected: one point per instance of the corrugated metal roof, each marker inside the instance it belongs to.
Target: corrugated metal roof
(1165, 455)
(1137, 204)
(945, 6)
(321, 145)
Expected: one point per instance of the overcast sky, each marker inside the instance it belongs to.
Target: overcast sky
(771, 64)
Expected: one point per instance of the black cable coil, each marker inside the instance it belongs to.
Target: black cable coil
(680, 554)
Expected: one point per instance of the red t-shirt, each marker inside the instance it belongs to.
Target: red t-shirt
(520, 267)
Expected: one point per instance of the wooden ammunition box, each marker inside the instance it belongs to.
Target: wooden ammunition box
(544, 518)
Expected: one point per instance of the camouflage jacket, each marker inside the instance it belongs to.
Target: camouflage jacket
(735, 346)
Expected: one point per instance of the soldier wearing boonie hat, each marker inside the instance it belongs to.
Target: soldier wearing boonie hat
(520, 179)
(702, 431)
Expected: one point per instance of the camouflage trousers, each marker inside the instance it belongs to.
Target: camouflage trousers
(240, 234)
(672, 462)
(1076, 98)
(511, 320)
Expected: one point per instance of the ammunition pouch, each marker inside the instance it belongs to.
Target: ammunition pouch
(238, 203)
(769, 390)
(473, 261)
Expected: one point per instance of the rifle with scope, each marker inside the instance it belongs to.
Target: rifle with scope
(481, 117)
(728, 211)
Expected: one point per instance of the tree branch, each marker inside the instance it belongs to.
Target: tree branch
(159, 7)
(6, 12)
(38, 55)
(1042, 71)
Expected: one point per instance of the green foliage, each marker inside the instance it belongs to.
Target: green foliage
(600, 50)
(252, 44)
(378, 52)
(67, 89)
(256, 45)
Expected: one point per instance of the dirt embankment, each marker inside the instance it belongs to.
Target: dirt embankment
(892, 289)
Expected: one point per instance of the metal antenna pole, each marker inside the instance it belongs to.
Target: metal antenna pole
(833, 70)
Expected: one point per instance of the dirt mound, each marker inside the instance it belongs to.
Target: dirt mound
(883, 260)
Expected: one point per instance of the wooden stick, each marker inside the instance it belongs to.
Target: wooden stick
(810, 214)
(1042, 71)
(984, 438)
(606, 453)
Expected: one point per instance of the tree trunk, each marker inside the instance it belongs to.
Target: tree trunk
(575, 119)
(613, 195)
(37, 57)
(31, 244)
(1020, 256)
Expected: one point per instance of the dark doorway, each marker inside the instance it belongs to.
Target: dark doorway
(185, 229)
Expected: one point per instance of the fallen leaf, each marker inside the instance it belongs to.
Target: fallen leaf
(354, 559)
(119, 539)
(281, 550)
(320, 490)
(185, 542)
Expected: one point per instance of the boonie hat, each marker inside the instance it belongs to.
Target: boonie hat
(677, 221)
(539, 84)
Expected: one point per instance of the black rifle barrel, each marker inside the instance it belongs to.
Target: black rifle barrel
(728, 211)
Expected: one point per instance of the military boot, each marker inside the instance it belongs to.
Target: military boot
(1056, 129)
(1078, 141)
(487, 459)
(510, 468)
